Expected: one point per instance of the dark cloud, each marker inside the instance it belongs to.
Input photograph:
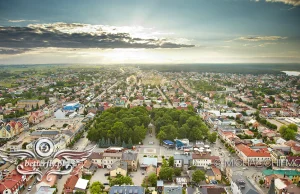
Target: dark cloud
(61, 35)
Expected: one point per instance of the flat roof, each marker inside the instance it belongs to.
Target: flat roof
(82, 184)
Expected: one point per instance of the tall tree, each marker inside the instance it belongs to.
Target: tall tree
(166, 173)
(97, 188)
(198, 175)
(171, 161)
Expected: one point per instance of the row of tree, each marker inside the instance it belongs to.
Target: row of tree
(118, 142)
(121, 123)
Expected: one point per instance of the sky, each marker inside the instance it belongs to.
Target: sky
(149, 32)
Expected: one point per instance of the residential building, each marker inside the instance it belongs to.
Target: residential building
(13, 183)
(118, 168)
(252, 157)
(131, 158)
(36, 117)
(201, 160)
(131, 189)
(97, 158)
(110, 158)
(182, 161)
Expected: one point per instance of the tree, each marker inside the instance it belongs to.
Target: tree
(96, 187)
(24, 145)
(287, 133)
(166, 173)
(171, 161)
(161, 136)
(261, 182)
(129, 145)
(198, 176)
(120, 180)
(212, 137)
(152, 179)
(177, 171)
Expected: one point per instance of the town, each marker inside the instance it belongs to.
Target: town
(152, 131)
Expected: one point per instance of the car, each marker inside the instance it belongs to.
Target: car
(151, 142)
(143, 172)
(106, 174)
(245, 168)
(5, 170)
(105, 183)
(29, 188)
(34, 182)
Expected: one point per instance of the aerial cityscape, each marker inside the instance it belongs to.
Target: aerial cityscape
(150, 97)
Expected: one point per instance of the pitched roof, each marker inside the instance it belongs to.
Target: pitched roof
(252, 153)
(96, 155)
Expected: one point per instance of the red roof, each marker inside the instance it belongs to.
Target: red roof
(252, 153)
(11, 181)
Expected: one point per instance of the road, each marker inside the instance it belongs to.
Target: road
(162, 94)
(99, 97)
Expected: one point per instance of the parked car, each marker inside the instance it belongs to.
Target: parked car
(151, 142)
(106, 174)
(29, 188)
(105, 183)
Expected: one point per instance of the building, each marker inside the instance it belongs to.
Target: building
(127, 189)
(201, 160)
(110, 158)
(71, 107)
(70, 184)
(252, 157)
(241, 185)
(13, 183)
(131, 158)
(30, 104)
(81, 185)
(44, 133)
(36, 117)
(182, 161)
(14, 146)
(118, 168)
(293, 175)
(278, 158)
(97, 158)
(11, 128)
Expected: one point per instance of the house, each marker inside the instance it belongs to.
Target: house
(70, 184)
(96, 158)
(89, 167)
(110, 158)
(281, 184)
(14, 146)
(13, 183)
(36, 117)
(293, 175)
(241, 185)
(132, 189)
(182, 161)
(45, 182)
(250, 156)
(217, 173)
(147, 161)
(81, 185)
(200, 160)
(131, 158)
(11, 128)
(118, 168)
(291, 189)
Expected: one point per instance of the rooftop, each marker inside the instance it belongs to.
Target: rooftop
(127, 189)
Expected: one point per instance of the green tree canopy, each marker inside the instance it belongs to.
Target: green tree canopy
(96, 187)
(198, 175)
(120, 180)
(166, 173)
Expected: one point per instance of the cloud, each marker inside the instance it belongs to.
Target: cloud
(261, 38)
(18, 21)
(78, 36)
(289, 2)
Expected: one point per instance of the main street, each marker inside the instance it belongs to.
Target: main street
(165, 98)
